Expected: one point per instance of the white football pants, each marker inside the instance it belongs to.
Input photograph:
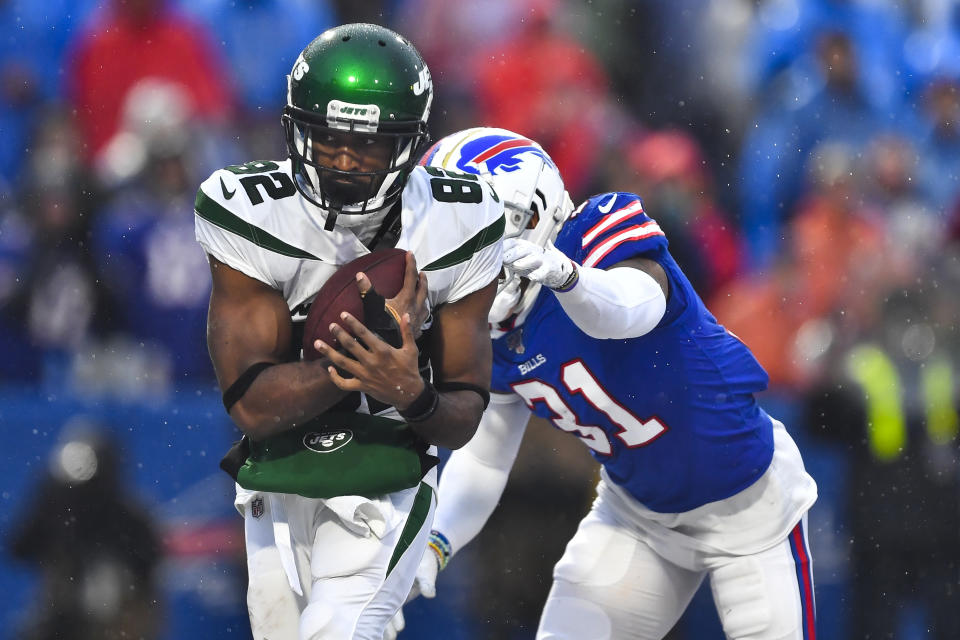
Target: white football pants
(352, 578)
(629, 573)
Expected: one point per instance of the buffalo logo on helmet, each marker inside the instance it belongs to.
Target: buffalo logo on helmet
(497, 154)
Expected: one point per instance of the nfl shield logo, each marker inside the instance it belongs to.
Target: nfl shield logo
(515, 341)
(256, 508)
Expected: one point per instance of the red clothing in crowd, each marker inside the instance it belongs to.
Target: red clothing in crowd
(546, 86)
(129, 45)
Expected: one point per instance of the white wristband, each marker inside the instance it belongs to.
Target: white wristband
(620, 303)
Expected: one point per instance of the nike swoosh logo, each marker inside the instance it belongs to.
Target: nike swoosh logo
(226, 194)
(602, 208)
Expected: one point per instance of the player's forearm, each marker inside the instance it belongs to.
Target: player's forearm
(454, 421)
(284, 396)
(617, 304)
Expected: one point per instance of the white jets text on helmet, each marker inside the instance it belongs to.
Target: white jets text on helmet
(300, 68)
(423, 82)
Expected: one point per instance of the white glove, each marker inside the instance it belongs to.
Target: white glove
(395, 626)
(425, 584)
(546, 265)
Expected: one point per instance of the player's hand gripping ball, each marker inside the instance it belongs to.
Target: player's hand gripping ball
(385, 269)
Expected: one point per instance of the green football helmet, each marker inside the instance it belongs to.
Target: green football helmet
(362, 81)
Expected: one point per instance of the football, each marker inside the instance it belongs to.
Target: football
(385, 268)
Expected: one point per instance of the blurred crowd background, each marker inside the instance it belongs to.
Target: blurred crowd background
(802, 156)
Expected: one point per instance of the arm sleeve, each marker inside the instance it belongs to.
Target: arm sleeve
(620, 303)
(475, 475)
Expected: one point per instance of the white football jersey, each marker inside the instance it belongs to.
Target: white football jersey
(252, 218)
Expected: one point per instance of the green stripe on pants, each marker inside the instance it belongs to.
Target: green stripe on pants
(418, 515)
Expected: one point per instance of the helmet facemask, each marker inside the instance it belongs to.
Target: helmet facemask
(350, 193)
(538, 223)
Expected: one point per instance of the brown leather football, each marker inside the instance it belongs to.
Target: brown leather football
(340, 293)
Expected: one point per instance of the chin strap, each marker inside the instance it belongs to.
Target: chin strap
(332, 214)
(389, 229)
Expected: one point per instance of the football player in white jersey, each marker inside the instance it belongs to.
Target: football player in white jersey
(335, 472)
(599, 331)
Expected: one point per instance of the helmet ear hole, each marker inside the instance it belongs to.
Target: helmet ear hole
(542, 197)
(534, 219)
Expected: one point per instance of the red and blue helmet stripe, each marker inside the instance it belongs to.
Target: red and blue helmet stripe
(493, 154)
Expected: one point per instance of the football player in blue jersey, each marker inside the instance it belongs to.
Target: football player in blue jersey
(597, 329)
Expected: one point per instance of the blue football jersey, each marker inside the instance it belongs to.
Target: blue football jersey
(671, 414)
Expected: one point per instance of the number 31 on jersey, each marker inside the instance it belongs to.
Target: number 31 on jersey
(634, 432)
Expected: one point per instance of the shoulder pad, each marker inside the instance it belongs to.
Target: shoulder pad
(450, 215)
(608, 228)
(238, 188)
